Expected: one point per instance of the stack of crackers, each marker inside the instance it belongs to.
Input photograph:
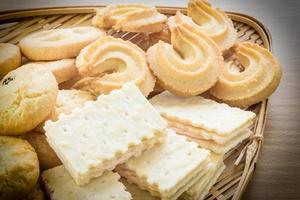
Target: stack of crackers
(123, 132)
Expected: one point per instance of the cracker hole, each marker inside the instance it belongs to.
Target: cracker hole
(166, 173)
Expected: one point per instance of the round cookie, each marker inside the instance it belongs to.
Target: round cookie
(47, 157)
(27, 96)
(35, 194)
(10, 58)
(19, 168)
(59, 43)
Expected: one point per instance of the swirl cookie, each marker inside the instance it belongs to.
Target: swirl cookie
(63, 70)
(27, 96)
(131, 18)
(58, 43)
(109, 63)
(10, 58)
(47, 157)
(19, 168)
(191, 64)
(259, 78)
(213, 22)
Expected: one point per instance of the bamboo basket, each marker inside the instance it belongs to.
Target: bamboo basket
(240, 162)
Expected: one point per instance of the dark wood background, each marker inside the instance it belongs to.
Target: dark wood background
(277, 175)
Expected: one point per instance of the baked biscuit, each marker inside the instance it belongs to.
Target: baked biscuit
(10, 58)
(58, 43)
(47, 157)
(258, 79)
(27, 96)
(213, 22)
(191, 64)
(19, 168)
(63, 70)
(131, 18)
(66, 101)
(109, 63)
(35, 194)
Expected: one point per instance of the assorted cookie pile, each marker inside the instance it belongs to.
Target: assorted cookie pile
(75, 117)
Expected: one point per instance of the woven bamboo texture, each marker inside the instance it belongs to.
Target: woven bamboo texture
(240, 161)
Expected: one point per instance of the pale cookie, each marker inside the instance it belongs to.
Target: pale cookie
(66, 101)
(258, 79)
(130, 17)
(213, 22)
(63, 70)
(109, 63)
(27, 96)
(58, 44)
(191, 64)
(47, 157)
(10, 58)
(19, 168)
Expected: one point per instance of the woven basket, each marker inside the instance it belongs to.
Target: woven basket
(241, 161)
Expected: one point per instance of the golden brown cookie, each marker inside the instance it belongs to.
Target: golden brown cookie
(35, 194)
(109, 63)
(130, 17)
(191, 64)
(257, 79)
(19, 168)
(58, 44)
(213, 22)
(47, 157)
(10, 58)
(27, 96)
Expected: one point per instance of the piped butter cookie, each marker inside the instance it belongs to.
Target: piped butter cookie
(254, 80)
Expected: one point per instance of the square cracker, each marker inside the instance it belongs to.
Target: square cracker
(202, 113)
(60, 186)
(105, 133)
(201, 188)
(168, 169)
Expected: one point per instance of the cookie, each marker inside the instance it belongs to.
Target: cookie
(109, 63)
(58, 44)
(10, 58)
(19, 168)
(27, 96)
(213, 22)
(47, 157)
(35, 194)
(257, 80)
(130, 17)
(191, 64)
(63, 70)
(66, 101)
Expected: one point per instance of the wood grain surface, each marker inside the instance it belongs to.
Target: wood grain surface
(277, 175)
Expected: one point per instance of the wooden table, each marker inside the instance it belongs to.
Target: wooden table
(278, 172)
